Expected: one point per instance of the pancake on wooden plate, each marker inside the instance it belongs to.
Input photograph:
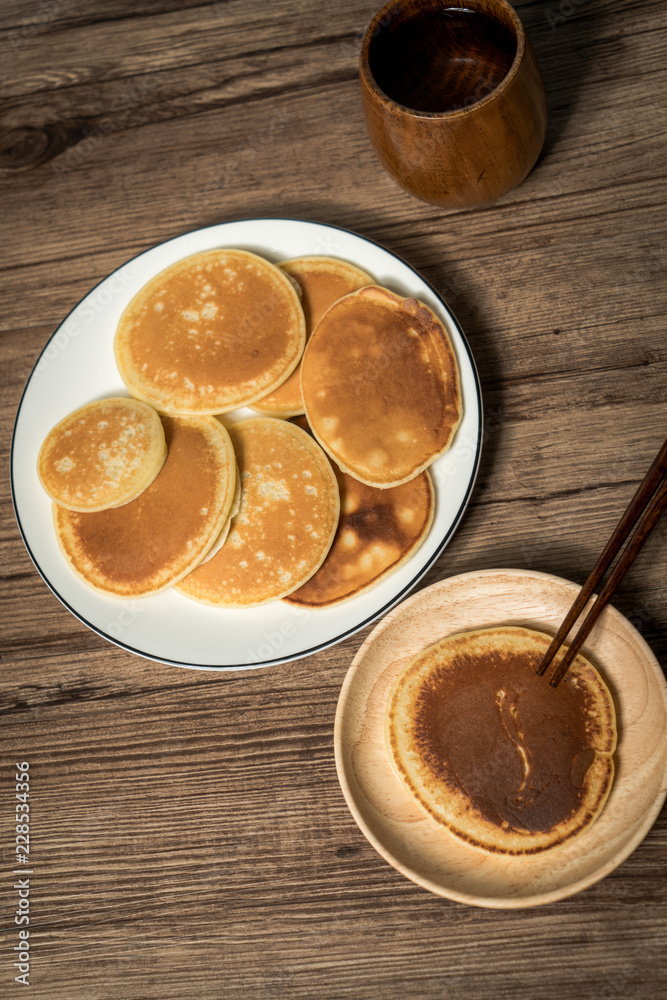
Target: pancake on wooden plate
(212, 332)
(323, 280)
(381, 386)
(377, 532)
(151, 542)
(285, 524)
(491, 751)
(102, 455)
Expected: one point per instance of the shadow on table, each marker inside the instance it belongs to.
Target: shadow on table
(562, 33)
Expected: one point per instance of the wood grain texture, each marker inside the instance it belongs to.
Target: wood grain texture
(188, 832)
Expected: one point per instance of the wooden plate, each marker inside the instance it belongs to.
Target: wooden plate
(414, 843)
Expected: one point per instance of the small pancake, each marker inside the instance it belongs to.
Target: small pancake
(378, 531)
(495, 754)
(285, 524)
(380, 386)
(212, 332)
(153, 541)
(323, 281)
(102, 455)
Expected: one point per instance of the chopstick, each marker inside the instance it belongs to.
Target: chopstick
(643, 513)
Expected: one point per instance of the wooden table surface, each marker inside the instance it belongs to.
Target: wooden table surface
(188, 832)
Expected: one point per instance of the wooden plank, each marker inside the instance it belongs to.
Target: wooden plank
(190, 833)
(111, 49)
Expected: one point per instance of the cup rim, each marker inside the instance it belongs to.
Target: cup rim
(369, 79)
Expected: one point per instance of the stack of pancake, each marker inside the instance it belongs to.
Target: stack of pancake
(153, 541)
(213, 332)
(286, 520)
(156, 491)
(322, 281)
(378, 531)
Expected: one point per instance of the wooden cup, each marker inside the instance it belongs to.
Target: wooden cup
(471, 155)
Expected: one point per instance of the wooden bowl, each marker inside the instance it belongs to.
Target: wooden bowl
(412, 841)
(468, 156)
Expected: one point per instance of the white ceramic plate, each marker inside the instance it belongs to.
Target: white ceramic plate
(77, 365)
(411, 840)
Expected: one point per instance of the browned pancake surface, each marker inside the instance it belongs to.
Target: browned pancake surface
(212, 332)
(323, 280)
(151, 542)
(102, 454)
(380, 386)
(285, 523)
(492, 751)
(377, 532)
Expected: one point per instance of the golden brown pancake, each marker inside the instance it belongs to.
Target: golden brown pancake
(378, 531)
(380, 386)
(102, 455)
(212, 332)
(153, 541)
(491, 751)
(285, 524)
(323, 280)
